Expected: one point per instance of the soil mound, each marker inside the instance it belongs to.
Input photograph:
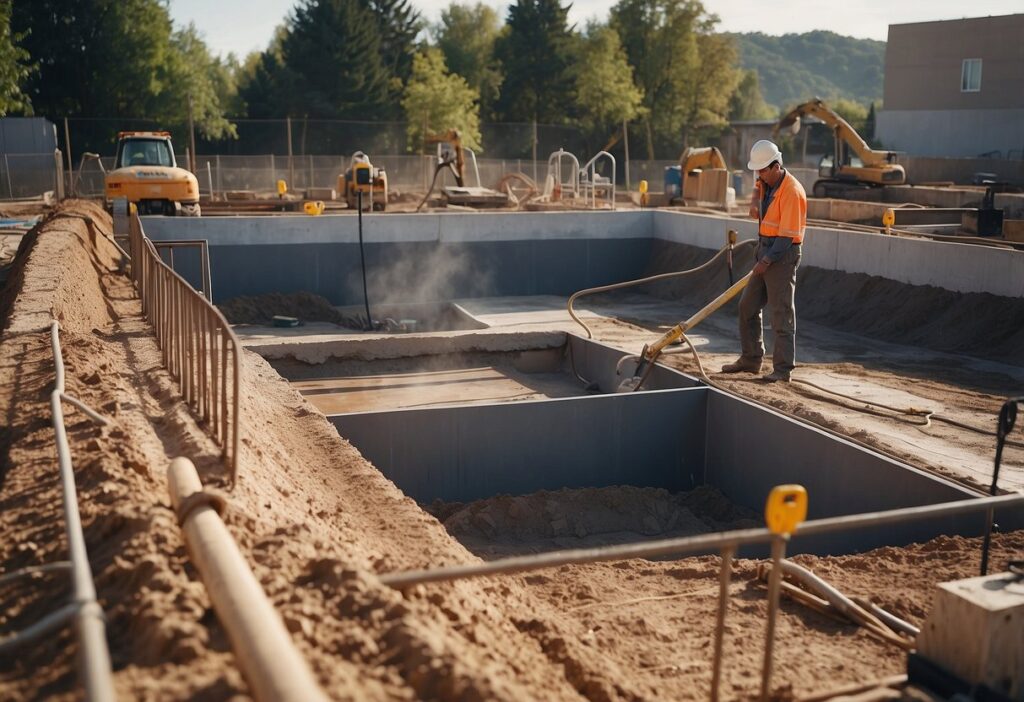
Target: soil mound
(977, 324)
(261, 309)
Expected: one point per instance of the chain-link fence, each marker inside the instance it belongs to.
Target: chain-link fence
(27, 175)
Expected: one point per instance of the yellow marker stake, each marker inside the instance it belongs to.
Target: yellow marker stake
(784, 511)
(282, 188)
(889, 219)
(643, 193)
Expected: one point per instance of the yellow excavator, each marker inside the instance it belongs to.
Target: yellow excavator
(702, 177)
(853, 164)
(146, 173)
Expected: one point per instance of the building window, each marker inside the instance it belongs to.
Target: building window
(970, 76)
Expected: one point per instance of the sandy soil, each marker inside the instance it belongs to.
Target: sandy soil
(317, 523)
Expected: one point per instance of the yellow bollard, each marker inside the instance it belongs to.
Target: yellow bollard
(314, 208)
(889, 219)
(282, 188)
(784, 511)
(643, 193)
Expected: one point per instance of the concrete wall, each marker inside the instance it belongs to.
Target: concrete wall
(672, 439)
(957, 267)
(446, 256)
(441, 257)
(952, 133)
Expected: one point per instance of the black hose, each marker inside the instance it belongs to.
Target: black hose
(1007, 418)
(362, 260)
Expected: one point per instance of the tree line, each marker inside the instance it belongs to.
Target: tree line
(660, 65)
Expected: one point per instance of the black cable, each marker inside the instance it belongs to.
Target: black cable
(1007, 418)
(362, 260)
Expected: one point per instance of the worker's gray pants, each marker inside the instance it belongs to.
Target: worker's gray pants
(775, 287)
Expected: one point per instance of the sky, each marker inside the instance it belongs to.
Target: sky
(241, 26)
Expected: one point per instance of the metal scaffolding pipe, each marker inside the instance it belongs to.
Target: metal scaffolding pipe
(693, 544)
(94, 656)
(266, 654)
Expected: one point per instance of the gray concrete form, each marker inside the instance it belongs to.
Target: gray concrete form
(536, 253)
(675, 439)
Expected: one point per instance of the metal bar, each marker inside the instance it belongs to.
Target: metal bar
(95, 667)
(724, 576)
(33, 570)
(774, 585)
(51, 622)
(94, 416)
(235, 412)
(690, 544)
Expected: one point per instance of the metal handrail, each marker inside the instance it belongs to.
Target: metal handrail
(589, 173)
(195, 342)
(94, 655)
(204, 259)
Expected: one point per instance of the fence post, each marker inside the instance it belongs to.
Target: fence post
(10, 186)
(58, 175)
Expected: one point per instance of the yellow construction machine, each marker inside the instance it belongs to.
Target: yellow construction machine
(701, 178)
(146, 173)
(363, 177)
(853, 164)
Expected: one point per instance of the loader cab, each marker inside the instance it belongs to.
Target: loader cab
(144, 151)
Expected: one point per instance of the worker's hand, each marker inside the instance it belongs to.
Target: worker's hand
(760, 267)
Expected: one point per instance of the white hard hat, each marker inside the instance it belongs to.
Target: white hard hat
(762, 153)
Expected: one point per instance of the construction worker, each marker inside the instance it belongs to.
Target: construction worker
(779, 204)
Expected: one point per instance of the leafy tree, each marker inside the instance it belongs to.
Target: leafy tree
(332, 51)
(747, 103)
(852, 111)
(536, 56)
(265, 85)
(14, 65)
(191, 74)
(605, 90)
(466, 35)
(436, 101)
(660, 43)
(706, 89)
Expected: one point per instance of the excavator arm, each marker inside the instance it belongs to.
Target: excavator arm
(701, 157)
(455, 160)
(840, 127)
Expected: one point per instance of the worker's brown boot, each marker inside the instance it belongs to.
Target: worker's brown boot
(777, 377)
(743, 365)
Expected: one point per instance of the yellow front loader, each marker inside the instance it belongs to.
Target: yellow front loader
(146, 173)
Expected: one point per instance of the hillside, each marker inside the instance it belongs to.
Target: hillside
(795, 67)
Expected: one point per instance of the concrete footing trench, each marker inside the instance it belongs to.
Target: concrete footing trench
(471, 419)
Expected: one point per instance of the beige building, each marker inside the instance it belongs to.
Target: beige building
(955, 88)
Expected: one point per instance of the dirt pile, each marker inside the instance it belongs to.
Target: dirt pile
(977, 324)
(261, 309)
(578, 518)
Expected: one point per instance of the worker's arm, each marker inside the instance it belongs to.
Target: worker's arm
(755, 200)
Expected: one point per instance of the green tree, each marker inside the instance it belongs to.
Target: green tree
(14, 65)
(536, 56)
(398, 24)
(659, 37)
(192, 75)
(605, 90)
(853, 112)
(436, 101)
(747, 102)
(332, 56)
(706, 89)
(466, 35)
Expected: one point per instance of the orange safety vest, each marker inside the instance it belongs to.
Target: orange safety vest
(787, 213)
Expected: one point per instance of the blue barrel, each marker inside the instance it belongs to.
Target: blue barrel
(737, 183)
(673, 182)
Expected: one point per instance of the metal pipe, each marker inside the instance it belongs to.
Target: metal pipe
(54, 621)
(94, 656)
(265, 652)
(724, 575)
(774, 585)
(691, 544)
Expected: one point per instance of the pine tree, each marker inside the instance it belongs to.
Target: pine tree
(536, 57)
(398, 24)
(333, 50)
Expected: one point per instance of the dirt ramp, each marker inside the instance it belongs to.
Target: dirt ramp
(976, 324)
